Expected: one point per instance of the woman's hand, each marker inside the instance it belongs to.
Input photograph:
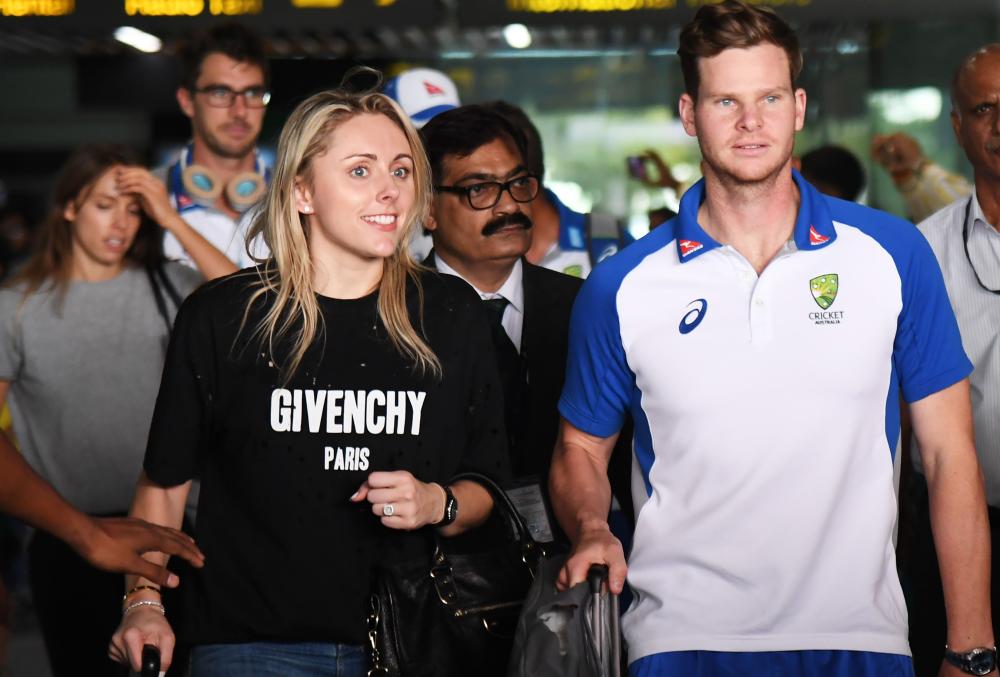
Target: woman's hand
(401, 500)
(152, 194)
(139, 627)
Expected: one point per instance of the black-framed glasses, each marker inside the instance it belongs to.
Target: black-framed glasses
(486, 195)
(965, 243)
(220, 96)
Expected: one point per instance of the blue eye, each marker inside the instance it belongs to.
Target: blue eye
(771, 99)
(401, 172)
(359, 172)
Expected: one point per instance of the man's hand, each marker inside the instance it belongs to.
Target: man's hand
(595, 545)
(899, 154)
(116, 543)
(663, 178)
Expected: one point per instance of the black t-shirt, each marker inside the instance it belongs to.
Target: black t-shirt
(288, 555)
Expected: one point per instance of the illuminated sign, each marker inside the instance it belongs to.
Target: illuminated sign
(548, 6)
(764, 3)
(545, 6)
(192, 7)
(171, 17)
(36, 7)
(330, 4)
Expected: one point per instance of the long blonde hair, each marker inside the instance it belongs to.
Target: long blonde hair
(288, 273)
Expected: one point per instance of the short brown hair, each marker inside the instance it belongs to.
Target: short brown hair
(733, 24)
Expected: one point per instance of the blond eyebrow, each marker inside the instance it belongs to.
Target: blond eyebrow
(372, 156)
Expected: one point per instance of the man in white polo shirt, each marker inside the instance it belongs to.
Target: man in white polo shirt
(761, 340)
(965, 240)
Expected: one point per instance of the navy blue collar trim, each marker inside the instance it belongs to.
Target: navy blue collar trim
(813, 226)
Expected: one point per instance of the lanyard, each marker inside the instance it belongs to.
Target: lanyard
(965, 243)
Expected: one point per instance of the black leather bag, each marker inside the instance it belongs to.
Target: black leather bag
(457, 613)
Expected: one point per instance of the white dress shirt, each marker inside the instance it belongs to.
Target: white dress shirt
(512, 289)
(978, 314)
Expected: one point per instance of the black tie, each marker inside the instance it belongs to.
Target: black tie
(511, 369)
(495, 308)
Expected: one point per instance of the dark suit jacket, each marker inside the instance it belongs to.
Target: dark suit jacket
(548, 301)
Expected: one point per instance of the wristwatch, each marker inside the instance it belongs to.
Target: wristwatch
(978, 661)
(450, 508)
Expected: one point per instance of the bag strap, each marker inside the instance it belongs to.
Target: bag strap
(159, 282)
(503, 504)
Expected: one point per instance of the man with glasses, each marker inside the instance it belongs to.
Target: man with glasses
(965, 240)
(219, 175)
(480, 221)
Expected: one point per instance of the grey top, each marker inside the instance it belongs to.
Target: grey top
(83, 381)
(978, 314)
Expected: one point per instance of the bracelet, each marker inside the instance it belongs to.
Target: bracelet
(137, 589)
(145, 602)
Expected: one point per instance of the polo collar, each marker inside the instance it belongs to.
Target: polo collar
(813, 225)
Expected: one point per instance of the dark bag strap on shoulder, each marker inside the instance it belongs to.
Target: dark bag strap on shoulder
(160, 283)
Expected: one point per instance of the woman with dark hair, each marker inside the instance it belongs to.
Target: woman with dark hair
(326, 400)
(83, 330)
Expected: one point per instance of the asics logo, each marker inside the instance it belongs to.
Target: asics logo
(693, 317)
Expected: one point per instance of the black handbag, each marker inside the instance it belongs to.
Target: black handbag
(457, 613)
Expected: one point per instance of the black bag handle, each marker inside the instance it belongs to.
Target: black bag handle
(441, 571)
(503, 504)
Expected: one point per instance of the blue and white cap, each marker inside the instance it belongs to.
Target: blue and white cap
(422, 93)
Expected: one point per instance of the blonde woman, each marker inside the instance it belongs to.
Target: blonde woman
(324, 399)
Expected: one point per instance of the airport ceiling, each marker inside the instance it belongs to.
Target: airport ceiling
(417, 28)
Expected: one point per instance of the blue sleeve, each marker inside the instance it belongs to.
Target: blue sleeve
(928, 352)
(599, 382)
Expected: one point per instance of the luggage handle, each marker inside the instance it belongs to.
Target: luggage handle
(150, 661)
(597, 576)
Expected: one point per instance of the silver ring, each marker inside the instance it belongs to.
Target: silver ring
(388, 509)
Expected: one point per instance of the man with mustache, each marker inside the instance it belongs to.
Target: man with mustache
(965, 240)
(762, 340)
(219, 175)
(480, 221)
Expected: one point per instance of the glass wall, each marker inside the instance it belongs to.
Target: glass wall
(596, 108)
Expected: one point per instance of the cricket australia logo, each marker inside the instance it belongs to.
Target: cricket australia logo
(824, 291)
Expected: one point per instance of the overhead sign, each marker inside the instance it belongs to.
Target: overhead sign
(192, 7)
(36, 7)
(264, 15)
(580, 12)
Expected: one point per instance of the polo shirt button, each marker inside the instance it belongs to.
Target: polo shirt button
(758, 302)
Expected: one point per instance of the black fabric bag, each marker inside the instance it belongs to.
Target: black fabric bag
(457, 613)
(572, 633)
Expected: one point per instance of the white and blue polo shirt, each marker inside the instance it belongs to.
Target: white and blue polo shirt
(766, 418)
